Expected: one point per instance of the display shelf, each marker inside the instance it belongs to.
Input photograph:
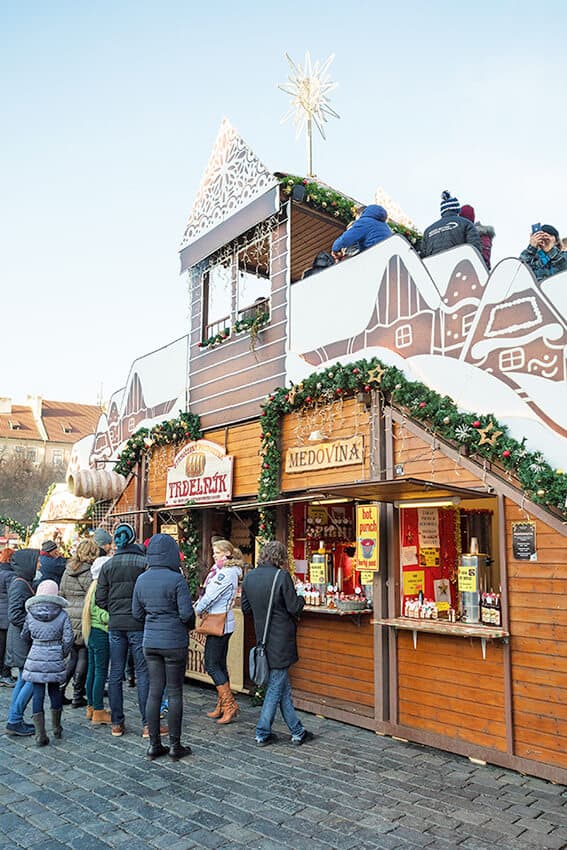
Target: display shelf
(438, 627)
(322, 609)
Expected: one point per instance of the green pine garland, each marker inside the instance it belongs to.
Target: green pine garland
(187, 426)
(189, 546)
(540, 482)
(14, 525)
(335, 204)
(215, 339)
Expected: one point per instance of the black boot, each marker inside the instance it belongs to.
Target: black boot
(38, 721)
(56, 722)
(156, 749)
(177, 750)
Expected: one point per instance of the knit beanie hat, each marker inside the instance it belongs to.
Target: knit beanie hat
(48, 588)
(549, 228)
(467, 212)
(48, 546)
(102, 537)
(449, 204)
(123, 535)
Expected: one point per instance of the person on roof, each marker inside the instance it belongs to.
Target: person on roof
(544, 255)
(485, 231)
(450, 230)
(368, 229)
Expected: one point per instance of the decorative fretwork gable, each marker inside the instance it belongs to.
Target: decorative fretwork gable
(233, 178)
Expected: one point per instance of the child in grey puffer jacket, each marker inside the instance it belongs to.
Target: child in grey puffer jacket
(49, 627)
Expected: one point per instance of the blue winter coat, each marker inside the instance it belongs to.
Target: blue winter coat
(366, 231)
(52, 568)
(51, 633)
(162, 602)
(6, 576)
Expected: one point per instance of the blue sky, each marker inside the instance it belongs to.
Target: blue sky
(110, 110)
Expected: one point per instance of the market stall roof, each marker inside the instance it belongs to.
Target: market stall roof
(399, 489)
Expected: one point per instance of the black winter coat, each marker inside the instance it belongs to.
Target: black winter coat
(6, 576)
(281, 641)
(115, 588)
(24, 562)
(163, 604)
(451, 230)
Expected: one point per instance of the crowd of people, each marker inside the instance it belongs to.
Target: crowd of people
(545, 255)
(76, 621)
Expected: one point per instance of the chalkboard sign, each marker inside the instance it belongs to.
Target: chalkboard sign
(523, 541)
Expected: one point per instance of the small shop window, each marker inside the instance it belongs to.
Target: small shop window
(512, 359)
(217, 298)
(253, 281)
(449, 569)
(404, 336)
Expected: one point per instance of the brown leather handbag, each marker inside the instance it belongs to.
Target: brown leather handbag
(211, 624)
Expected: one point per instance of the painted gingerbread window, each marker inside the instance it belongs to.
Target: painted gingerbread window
(404, 336)
(512, 359)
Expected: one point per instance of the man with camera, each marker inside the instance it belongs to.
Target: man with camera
(544, 255)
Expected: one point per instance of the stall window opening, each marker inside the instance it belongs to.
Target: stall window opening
(217, 299)
(448, 565)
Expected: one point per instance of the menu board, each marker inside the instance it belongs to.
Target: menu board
(524, 541)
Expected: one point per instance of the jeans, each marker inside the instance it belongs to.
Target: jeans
(55, 696)
(21, 695)
(278, 693)
(118, 643)
(76, 669)
(98, 668)
(216, 649)
(166, 668)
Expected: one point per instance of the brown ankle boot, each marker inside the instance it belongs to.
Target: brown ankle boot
(101, 717)
(217, 710)
(229, 704)
(89, 712)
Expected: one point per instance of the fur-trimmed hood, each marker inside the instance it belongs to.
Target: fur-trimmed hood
(52, 603)
(485, 230)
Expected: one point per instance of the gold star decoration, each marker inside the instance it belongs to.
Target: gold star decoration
(375, 374)
(484, 438)
(443, 588)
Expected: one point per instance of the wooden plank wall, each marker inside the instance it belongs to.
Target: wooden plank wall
(127, 501)
(538, 623)
(349, 418)
(228, 383)
(421, 461)
(242, 441)
(336, 662)
(311, 233)
(445, 687)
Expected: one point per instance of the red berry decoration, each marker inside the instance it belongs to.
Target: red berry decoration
(338, 391)
(476, 423)
(506, 453)
(308, 399)
(355, 371)
(266, 466)
(422, 404)
(366, 389)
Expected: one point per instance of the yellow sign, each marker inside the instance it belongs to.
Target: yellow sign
(429, 556)
(414, 581)
(367, 539)
(317, 573)
(467, 579)
(367, 576)
(324, 455)
(442, 606)
(169, 529)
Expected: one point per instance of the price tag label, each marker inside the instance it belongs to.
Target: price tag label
(317, 573)
(366, 576)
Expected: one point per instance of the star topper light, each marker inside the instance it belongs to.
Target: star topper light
(309, 87)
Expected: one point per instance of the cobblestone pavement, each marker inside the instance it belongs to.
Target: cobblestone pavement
(347, 789)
